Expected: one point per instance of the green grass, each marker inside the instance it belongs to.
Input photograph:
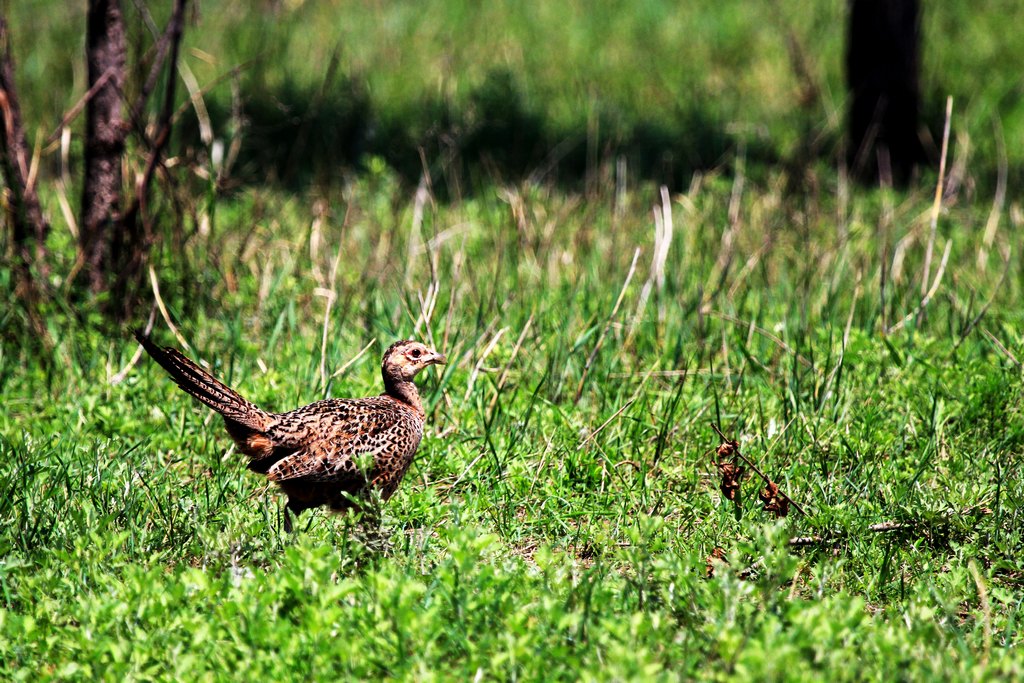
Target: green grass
(558, 519)
(537, 536)
(672, 86)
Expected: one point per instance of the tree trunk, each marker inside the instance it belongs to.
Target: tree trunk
(29, 227)
(104, 141)
(882, 74)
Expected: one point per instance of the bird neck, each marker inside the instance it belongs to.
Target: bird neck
(404, 391)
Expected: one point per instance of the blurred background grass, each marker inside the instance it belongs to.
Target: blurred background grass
(549, 88)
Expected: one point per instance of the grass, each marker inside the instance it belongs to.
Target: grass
(671, 86)
(557, 521)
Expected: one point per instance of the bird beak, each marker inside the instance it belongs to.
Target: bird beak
(436, 358)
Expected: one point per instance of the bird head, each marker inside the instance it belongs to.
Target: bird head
(404, 359)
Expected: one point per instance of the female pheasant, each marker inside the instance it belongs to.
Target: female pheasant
(313, 452)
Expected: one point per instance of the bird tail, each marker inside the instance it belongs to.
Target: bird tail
(205, 387)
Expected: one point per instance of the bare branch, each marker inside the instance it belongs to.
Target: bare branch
(174, 31)
(735, 450)
(29, 227)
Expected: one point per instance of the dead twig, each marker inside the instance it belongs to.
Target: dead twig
(607, 422)
(352, 360)
(77, 108)
(732, 447)
(929, 295)
(801, 541)
(774, 501)
(123, 372)
(999, 200)
(1006, 352)
(175, 29)
(163, 309)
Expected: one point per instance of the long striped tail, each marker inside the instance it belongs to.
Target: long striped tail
(205, 387)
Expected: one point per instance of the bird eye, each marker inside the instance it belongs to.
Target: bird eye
(415, 353)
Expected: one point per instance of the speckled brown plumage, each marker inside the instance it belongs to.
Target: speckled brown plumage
(314, 453)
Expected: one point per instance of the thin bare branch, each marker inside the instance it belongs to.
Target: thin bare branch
(607, 422)
(28, 224)
(175, 28)
(77, 108)
(736, 451)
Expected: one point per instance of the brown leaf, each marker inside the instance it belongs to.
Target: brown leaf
(717, 555)
(727, 449)
(774, 502)
(731, 474)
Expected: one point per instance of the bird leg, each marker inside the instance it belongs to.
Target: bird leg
(289, 512)
(287, 519)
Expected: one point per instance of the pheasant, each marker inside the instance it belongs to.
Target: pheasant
(313, 453)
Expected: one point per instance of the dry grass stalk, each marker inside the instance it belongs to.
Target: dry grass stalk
(937, 204)
(608, 323)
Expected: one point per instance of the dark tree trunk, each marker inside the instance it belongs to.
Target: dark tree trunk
(882, 67)
(29, 227)
(104, 141)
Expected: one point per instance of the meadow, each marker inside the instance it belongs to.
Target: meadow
(565, 517)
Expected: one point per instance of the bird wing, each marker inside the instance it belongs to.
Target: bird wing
(338, 440)
(316, 467)
(336, 452)
(335, 420)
